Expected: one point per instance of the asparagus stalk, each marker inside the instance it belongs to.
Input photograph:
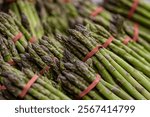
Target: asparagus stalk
(12, 48)
(51, 48)
(74, 79)
(5, 52)
(135, 73)
(10, 36)
(72, 89)
(25, 8)
(13, 30)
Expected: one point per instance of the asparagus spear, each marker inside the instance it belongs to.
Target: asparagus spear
(51, 48)
(55, 43)
(13, 7)
(72, 89)
(74, 79)
(25, 8)
(38, 27)
(14, 31)
(36, 57)
(10, 36)
(12, 48)
(5, 52)
(135, 73)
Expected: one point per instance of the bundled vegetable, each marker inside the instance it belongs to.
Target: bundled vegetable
(27, 14)
(16, 81)
(137, 10)
(78, 78)
(62, 50)
(109, 64)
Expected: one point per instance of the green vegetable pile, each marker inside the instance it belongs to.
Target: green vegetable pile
(74, 49)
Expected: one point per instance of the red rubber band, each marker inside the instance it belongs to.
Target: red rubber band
(2, 87)
(133, 8)
(136, 32)
(32, 40)
(90, 54)
(90, 87)
(126, 40)
(11, 62)
(96, 49)
(27, 86)
(110, 39)
(17, 37)
(44, 70)
(97, 11)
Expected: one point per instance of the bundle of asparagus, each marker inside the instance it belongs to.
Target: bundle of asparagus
(77, 76)
(27, 14)
(4, 93)
(143, 33)
(137, 10)
(15, 81)
(69, 17)
(8, 50)
(140, 16)
(95, 59)
(130, 49)
(9, 29)
(115, 24)
(112, 66)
